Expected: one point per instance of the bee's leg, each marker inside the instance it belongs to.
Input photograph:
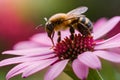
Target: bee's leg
(72, 31)
(83, 30)
(51, 37)
(59, 37)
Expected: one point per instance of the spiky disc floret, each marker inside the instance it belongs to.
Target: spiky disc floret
(70, 49)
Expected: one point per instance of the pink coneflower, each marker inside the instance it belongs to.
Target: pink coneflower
(82, 52)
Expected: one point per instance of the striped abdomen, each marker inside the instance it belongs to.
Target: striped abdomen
(84, 26)
(86, 22)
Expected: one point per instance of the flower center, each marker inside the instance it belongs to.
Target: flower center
(70, 49)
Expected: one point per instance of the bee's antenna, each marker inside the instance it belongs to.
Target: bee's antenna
(45, 19)
(37, 27)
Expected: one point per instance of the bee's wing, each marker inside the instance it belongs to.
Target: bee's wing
(77, 12)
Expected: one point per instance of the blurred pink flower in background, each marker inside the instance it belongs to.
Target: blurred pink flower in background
(84, 52)
(14, 26)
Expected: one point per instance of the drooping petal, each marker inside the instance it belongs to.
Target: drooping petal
(55, 70)
(90, 59)
(109, 25)
(33, 51)
(12, 61)
(110, 56)
(26, 45)
(21, 59)
(37, 66)
(100, 22)
(109, 43)
(80, 69)
(17, 70)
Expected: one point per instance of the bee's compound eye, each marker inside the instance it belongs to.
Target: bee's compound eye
(49, 27)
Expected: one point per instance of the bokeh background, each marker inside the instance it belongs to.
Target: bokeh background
(19, 18)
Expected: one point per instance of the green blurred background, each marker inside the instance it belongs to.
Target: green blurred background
(18, 19)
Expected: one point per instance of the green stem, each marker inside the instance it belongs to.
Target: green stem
(68, 70)
(94, 75)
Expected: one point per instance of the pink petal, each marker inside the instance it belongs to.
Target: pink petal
(109, 43)
(110, 56)
(115, 50)
(114, 31)
(21, 59)
(17, 70)
(109, 25)
(99, 23)
(37, 66)
(42, 39)
(33, 51)
(26, 45)
(12, 61)
(89, 59)
(40, 57)
(80, 69)
(55, 70)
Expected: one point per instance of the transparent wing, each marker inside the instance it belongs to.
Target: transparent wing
(77, 12)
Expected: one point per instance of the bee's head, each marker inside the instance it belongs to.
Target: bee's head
(49, 27)
(54, 21)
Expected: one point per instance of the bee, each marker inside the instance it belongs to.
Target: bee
(74, 20)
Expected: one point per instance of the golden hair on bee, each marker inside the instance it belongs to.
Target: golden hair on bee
(59, 16)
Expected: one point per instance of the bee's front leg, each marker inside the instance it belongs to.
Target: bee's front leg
(72, 31)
